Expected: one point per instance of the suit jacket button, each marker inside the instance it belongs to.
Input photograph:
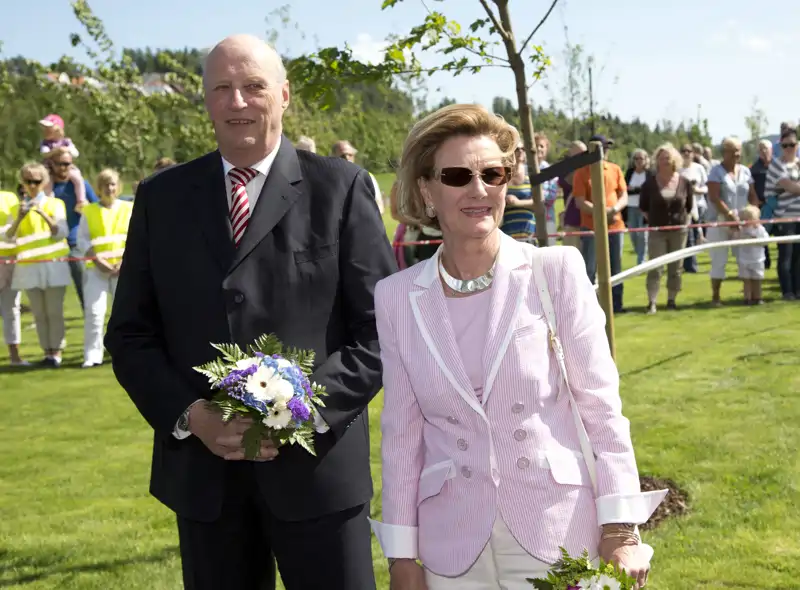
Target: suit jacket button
(520, 435)
(523, 463)
(452, 420)
(517, 408)
(462, 444)
(466, 472)
(238, 298)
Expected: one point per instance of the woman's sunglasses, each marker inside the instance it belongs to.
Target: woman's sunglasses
(33, 181)
(788, 146)
(457, 176)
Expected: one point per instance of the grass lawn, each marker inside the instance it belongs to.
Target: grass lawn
(711, 393)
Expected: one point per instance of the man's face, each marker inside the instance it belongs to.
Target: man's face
(61, 165)
(245, 99)
(346, 152)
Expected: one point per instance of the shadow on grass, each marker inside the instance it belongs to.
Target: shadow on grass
(686, 353)
(53, 566)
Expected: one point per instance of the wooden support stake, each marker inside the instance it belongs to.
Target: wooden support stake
(602, 254)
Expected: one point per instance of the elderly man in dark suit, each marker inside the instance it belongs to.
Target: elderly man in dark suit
(256, 237)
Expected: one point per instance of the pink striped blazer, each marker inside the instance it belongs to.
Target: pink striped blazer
(452, 464)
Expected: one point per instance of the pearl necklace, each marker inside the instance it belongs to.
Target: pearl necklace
(466, 286)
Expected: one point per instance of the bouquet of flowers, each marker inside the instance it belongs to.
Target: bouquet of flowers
(579, 574)
(270, 384)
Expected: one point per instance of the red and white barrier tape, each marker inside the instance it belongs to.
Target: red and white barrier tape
(626, 230)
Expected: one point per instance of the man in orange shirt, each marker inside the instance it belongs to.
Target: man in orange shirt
(616, 201)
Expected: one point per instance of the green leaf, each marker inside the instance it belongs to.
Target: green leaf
(230, 352)
(267, 344)
(252, 438)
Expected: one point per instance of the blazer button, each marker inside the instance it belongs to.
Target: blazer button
(466, 472)
(523, 463)
(520, 435)
(238, 298)
(517, 408)
(452, 420)
(462, 444)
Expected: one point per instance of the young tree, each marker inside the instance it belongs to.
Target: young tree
(466, 49)
(756, 123)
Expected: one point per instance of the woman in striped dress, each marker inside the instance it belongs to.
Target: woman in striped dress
(518, 219)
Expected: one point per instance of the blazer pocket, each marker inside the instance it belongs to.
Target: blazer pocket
(432, 478)
(317, 253)
(567, 467)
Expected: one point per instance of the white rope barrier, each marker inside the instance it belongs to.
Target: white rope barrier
(688, 252)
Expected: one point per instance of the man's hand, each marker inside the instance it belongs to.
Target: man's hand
(610, 214)
(628, 557)
(406, 574)
(225, 439)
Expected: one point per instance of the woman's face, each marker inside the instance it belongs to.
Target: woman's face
(639, 162)
(520, 155)
(789, 147)
(688, 156)
(541, 149)
(109, 188)
(732, 154)
(664, 162)
(468, 188)
(32, 182)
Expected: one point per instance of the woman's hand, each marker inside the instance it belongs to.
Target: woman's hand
(512, 201)
(628, 557)
(407, 574)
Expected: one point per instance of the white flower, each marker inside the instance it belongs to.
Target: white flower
(266, 385)
(283, 363)
(279, 416)
(599, 582)
(246, 363)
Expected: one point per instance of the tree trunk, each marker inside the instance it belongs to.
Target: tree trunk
(526, 119)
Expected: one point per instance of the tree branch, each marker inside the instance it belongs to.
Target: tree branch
(495, 23)
(470, 49)
(537, 27)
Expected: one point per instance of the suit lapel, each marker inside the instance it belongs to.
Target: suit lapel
(210, 185)
(432, 317)
(277, 196)
(512, 276)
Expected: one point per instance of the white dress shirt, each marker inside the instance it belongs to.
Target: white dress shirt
(253, 190)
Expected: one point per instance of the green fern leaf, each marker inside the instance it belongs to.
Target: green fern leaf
(267, 344)
(230, 352)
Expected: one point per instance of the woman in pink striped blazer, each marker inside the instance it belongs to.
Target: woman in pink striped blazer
(483, 477)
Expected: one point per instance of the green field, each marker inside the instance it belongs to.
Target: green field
(711, 393)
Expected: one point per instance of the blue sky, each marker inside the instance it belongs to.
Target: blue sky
(660, 60)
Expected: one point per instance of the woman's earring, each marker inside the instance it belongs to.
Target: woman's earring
(430, 211)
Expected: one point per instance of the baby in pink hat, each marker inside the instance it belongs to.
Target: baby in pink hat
(53, 137)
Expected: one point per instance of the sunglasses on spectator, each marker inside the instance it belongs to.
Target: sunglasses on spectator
(33, 181)
(62, 164)
(788, 145)
(347, 156)
(457, 176)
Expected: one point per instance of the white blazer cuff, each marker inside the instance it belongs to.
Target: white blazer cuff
(628, 508)
(397, 541)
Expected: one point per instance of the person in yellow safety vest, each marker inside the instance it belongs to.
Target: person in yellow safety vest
(38, 227)
(102, 232)
(9, 298)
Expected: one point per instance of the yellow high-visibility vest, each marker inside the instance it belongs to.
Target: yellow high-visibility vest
(108, 229)
(35, 241)
(7, 202)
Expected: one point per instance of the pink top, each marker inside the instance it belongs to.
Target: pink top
(469, 317)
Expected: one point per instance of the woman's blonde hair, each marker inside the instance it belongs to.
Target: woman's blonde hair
(35, 167)
(750, 213)
(675, 157)
(731, 142)
(107, 175)
(425, 139)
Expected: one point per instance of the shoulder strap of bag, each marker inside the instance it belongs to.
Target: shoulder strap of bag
(555, 345)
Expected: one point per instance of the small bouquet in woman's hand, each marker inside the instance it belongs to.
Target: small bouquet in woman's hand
(270, 385)
(579, 574)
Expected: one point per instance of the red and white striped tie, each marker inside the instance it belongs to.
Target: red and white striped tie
(240, 207)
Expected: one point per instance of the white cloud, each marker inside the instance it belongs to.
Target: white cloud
(756, 44)
(369, 50)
